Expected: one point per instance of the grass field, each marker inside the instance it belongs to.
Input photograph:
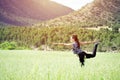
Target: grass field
(56, 65)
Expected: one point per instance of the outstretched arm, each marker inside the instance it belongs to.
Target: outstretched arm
(87, 42)
(66, 44)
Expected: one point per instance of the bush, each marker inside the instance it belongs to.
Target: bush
(8, 45)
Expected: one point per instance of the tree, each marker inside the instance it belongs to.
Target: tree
(116, 27)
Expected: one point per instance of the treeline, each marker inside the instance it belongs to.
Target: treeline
(34, 37)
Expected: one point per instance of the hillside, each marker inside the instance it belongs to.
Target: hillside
(25, 12)
(97, 13)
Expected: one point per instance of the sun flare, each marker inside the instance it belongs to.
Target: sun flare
(74, 4)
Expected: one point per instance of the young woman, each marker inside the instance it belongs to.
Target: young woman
(76, 46)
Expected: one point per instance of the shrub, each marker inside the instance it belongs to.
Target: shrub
(8, 45)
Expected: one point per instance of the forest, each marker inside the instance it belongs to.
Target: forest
(17, 38)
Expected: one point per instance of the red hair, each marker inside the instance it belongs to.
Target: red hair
(75, 38)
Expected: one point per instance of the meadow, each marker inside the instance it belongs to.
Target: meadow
(57, 65)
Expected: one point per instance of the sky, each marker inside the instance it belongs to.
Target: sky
(74, 4)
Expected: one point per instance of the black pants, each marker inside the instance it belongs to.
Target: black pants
(83, 54)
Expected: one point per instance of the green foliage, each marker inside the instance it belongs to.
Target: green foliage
(37, 37)
(11, 46)
(8, 45)
(116, 27)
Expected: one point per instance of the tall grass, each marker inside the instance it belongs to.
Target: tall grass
(56, 65)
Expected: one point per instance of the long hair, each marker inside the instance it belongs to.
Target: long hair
(75, 37)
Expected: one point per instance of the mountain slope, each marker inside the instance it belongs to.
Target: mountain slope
(25, 12)
(97, 13)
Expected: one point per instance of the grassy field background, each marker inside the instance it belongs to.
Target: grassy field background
(57, 65)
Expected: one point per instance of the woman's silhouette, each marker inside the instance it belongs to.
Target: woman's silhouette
(76, 46)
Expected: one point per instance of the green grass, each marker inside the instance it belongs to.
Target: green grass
(56, 65)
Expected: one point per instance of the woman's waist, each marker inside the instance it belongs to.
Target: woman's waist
(77, 50)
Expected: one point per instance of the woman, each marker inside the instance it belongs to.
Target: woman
(76, 45)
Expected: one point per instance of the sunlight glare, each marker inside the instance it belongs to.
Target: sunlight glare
(74, 4)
